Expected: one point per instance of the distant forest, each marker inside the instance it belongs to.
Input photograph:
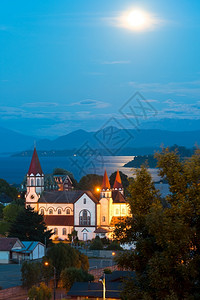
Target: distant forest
(151, 161)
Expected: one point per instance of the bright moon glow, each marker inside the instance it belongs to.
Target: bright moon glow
(136, 20)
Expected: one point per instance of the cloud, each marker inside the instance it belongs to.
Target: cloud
(116, 62)
(179, 88)
(92, 103)
(40, 104)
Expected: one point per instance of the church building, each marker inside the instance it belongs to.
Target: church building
(68, 209)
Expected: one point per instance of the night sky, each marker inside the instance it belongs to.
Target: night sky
(66, 65)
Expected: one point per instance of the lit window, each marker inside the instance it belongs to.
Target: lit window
(68, 211)
(64, 231)
(84, 217)
(51, 211)
(59, 211)
(117, 211)
(123, 211)
(84, 201)
(56, 231)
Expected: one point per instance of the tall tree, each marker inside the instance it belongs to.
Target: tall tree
(166, 258)
(29, 226)
(90, 182)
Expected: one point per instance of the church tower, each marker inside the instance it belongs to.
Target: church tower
(118, 184)
(105, 202)
(35, 181)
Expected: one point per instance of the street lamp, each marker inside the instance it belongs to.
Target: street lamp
(103, 280)
(46, 263)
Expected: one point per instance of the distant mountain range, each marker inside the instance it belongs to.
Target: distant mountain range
(111, 141)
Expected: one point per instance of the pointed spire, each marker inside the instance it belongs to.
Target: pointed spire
(118, 181)
(106, 182)
(35, 167)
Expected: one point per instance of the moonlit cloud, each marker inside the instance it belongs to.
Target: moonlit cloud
(40, 104)
(179, 88)
(116, 62)
(92, 103)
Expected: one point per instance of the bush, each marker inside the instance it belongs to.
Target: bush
(107, 271)
(39, 293)
(96, 244)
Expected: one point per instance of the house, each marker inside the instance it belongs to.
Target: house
(31, 250)
(67, 209)
(94, 290)
(64, 182)
(12, 249)
(6, 247)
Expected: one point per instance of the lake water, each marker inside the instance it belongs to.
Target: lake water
(13, 169)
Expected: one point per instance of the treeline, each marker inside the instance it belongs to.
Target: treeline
(151, 161)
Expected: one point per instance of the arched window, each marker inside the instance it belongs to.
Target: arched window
(64, 231)
(103, 218)
(68, 211)
(32, 182)
(38, 182)
(59, 211)
(117, 211)
(56, 231)
(84, 217)
(51, 211)
(42, 211)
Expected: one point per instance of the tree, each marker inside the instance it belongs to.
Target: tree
(71, 275)
(11, 211)
(63, 256)
(90, 182)
(1, 210)
(10, 191)
(29, 226)
(39, 293)
(166, 258)
(30, 273)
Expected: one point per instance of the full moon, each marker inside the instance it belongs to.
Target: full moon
(136, 19)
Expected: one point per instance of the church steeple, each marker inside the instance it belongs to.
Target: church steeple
(106, 182)
(118, 182)
(35, 167)
(35, 180)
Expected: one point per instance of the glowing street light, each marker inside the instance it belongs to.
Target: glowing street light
(97, 189)
(103, 280)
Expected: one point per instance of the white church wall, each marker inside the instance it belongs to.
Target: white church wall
(84, 202)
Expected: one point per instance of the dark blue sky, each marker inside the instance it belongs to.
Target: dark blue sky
(66, 65)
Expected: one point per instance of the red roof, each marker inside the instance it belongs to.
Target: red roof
(35, 167)
(118, 182)
(105, 183)
(6, 244)
(59, 220)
